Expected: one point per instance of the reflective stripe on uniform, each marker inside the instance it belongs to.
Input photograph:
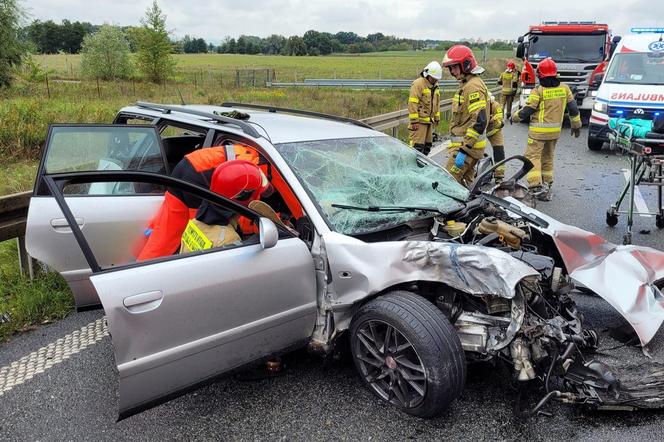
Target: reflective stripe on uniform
(459, 98)
(414, 100)
(576, 118)
(545, 127)
(413, 116)
(437, 115)
(194, 238)
(480, 144)
(426, 91)
(477, 106)
(437, 92)
(492, 132)
(472, 133)
(425, 120)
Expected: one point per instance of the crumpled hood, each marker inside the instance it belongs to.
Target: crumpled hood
(624, 276)
(360, 269)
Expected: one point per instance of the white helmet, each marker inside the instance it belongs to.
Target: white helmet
(434, 69)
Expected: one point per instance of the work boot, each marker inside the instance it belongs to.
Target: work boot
(541, 192)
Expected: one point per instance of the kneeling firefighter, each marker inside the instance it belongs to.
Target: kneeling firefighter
(165, 230)
(238, 180)
(424, 107)
(546, 109)
(469, 114)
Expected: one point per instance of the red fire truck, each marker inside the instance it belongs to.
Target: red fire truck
(581, 51)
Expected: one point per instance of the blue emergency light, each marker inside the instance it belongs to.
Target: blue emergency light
(619, 112)
(647, 30)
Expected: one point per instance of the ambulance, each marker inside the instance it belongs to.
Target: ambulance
(633, 84)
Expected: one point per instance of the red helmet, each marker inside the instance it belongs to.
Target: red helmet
(547, 68)
(239, 180)
(461, 55)
(511, 65)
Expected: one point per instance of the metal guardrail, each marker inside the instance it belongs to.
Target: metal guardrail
(368, 84)
(392, 120)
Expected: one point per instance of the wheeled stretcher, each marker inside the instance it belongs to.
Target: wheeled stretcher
(646, 158)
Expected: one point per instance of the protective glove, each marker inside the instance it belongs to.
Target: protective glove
(460, 159)
(514, 118)
(576, 133)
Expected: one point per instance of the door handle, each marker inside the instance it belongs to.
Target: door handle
(61, 224)
(143, 302)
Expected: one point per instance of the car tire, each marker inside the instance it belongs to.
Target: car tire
(422, 370)
(595, 144)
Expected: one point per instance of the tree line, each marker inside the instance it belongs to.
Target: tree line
(48, 37)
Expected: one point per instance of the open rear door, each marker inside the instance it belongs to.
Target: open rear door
(180, 320)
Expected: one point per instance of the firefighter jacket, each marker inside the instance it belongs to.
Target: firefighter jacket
(546, 109)
(470, 116)
(495, 118)
(424, 102)
(509, 81)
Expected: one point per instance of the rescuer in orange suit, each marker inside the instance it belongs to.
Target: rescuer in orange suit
(164, 232)
(238, 180)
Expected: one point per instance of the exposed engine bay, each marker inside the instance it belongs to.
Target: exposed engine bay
(539, 332)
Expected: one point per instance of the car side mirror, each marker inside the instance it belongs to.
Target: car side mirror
(520, 50)
(268, 233)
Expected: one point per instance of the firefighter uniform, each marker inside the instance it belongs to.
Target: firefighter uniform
(468, 127)
(424, 113)
(201, 236)
(494, 133)
(546, 109)
(509, 80)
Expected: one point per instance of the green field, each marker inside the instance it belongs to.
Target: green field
(398, 65)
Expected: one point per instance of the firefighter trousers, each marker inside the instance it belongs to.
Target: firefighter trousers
(422, 137)
(498, 146)
(506, 102)
(540, 153)
(466, 173)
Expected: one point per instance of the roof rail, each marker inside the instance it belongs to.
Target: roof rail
(166, 109)
(298, 112)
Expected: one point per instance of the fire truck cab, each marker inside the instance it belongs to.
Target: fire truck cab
(581, 51)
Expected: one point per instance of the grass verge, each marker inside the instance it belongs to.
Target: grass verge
(24, 303)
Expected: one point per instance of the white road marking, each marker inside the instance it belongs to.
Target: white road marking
(21, 371)
(639, 201)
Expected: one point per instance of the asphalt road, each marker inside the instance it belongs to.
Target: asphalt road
(76, 399)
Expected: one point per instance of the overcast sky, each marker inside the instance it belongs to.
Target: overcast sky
(213, 19)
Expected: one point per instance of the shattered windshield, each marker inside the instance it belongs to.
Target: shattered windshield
(374, 171)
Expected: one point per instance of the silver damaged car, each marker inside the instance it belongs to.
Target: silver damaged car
(376, 246)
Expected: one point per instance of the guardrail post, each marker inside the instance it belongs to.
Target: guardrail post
(395, 131)
(26, 262)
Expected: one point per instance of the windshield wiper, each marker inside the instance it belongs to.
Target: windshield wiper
(395, 209)
(435, 186)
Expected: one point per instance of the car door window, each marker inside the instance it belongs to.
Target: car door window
(89, 148)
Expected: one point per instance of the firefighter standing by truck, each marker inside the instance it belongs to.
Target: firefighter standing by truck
(494, 133)
(424, 107)
(509, 80)
(546, 108)
(469, 114)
